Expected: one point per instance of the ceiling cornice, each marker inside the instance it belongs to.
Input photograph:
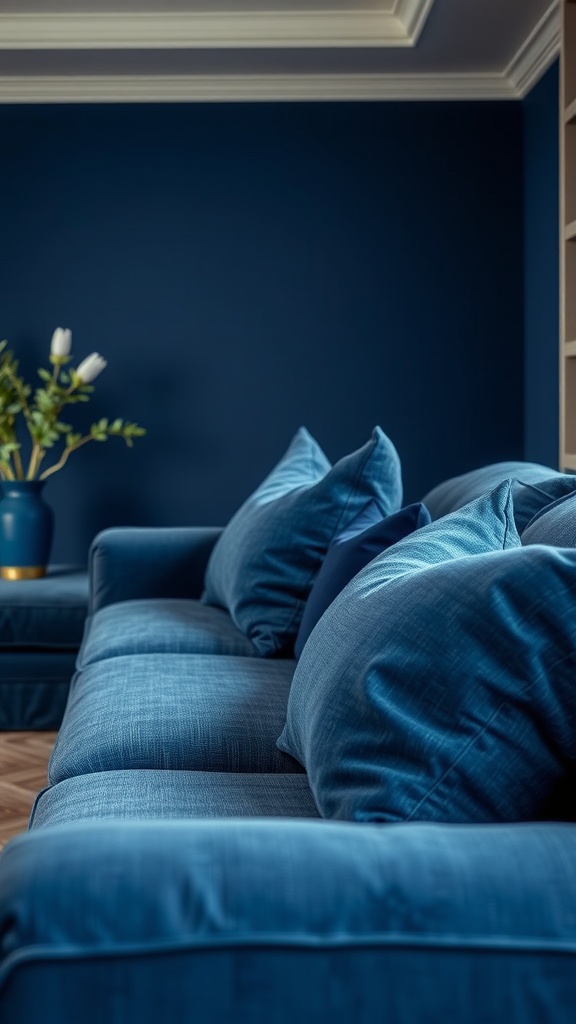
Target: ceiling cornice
(242, 88)
(395, 24)
(413, 14)
(536, 53)
(532, 59)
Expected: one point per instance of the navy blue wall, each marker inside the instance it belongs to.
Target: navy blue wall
(541, 269)
(248, 268)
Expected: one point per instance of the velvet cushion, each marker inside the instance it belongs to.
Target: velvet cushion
(350, 551)
(263, 565)
(555, 524)
(253, 921)
(542, 485)
(449, 695)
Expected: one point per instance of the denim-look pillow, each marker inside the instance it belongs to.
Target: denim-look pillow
(555, 524)
(537, 486)
(349, 552)
(263, 565)
(439, 687)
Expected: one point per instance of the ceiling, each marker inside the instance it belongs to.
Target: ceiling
(185, 50)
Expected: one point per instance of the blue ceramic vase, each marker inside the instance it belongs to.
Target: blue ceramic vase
(26, 530)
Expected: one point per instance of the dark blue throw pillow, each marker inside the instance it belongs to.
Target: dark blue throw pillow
(350, 551)
(263, 565)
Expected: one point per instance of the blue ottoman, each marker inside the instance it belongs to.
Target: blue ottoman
(41, 625)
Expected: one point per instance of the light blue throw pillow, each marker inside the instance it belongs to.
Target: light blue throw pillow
(439, 685)
(264, 563)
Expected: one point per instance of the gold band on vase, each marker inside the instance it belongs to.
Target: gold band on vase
(22, 572)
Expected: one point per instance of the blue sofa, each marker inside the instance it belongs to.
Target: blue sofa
(193, 858)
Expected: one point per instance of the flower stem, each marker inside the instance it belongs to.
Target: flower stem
(64, 457)
(35, 460)
(18, 465)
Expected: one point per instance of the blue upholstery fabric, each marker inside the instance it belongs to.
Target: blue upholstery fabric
(34, 688)
(484, 525)
(47, 613)
(349, 552)
(148, 562)
(175, 711)
(164, 793)
(262, 567)
(459, 490)
(555, 524)
(288, 921)
(160, 626)
(450, 696)
(531, 498)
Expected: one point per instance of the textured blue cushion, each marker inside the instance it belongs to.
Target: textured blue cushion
(160, 626)
(555, 524)
(262, 567)
(46, 613)
(459, 490)
(350, 551)
(175, 711)
(165, 793)
(254, 921)
(449, 694)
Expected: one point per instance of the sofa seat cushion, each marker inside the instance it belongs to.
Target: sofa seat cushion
(160, 626)
(175, 711)
(44, 614)
(160, 793)
(259, 920)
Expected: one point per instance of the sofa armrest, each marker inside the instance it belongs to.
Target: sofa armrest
(251, 920)
(134, 562)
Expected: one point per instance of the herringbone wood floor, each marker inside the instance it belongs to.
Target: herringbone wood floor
(23, 762)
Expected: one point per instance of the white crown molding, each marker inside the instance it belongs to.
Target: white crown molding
(196, 31)
(243, 88)
(537, 52)
(413, 15)
(395, 25)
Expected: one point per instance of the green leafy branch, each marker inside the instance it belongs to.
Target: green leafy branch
(41, 410)
(100, 431)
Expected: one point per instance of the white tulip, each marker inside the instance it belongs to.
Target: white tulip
(90, 367)
(61, 342)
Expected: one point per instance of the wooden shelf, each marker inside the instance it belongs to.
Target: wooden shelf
(567, 124)
(570, 112)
